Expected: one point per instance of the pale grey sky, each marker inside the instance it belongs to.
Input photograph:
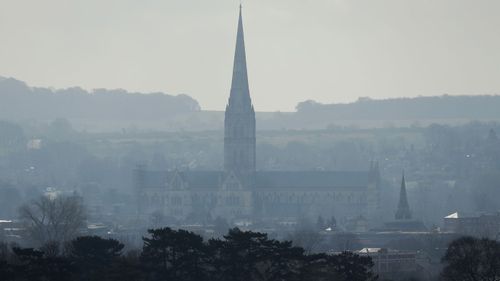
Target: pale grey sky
(326, 50)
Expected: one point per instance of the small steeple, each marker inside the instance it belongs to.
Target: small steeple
(403, 212)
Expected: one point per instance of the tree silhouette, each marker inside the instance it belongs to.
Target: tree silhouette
(352, 267)
(317, 267)
(33, 265)
(180, 255)
(53, 219)
(284, 262)
(469, 258)
(240, 253)
(94, 256)
(174, 255)
(6, 270)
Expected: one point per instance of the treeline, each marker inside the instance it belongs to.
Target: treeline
(169, 254)
(435, 107)
(181, 255)
(104, 110)
(18, 101)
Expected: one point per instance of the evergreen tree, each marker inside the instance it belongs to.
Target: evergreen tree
(469, 258)
(174, 255)
(94, 256)
(352, 267)
(34, 266)
(239, 254)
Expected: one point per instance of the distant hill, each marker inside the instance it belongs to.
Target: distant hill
(18, 101)
(370, 113)
(366, 112)
(117, 110)
(436, 107)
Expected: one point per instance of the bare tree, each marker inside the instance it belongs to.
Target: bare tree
(53, 219)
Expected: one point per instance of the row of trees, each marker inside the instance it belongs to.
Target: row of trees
(169, 254)
(21, 102)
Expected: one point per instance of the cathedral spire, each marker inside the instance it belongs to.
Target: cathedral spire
(239, 98)
(403, 212)
(239, 120)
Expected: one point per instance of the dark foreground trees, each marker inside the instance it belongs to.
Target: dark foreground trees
(93, 257)
(242, 255)
(174, 255)
(473, 259)
(178, 255)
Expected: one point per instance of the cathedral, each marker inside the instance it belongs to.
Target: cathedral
(241, 191)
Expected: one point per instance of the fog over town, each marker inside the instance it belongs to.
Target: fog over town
(399, 181)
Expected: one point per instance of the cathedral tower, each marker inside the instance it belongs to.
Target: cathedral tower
(239, 122)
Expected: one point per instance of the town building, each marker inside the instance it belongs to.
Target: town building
(397, 265)
(478, 225)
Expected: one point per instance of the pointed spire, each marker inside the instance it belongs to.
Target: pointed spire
(240, 93)
(239, 118)
(403, 212)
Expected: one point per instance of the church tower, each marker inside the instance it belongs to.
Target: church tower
(403, 212)
(239, 122)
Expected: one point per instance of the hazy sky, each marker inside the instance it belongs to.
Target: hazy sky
(326, 50)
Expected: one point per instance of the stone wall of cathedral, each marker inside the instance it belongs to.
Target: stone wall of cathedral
(259, 204)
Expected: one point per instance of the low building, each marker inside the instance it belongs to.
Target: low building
(478, 225)
(395, 264)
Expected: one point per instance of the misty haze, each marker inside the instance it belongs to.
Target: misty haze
(292, 140)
